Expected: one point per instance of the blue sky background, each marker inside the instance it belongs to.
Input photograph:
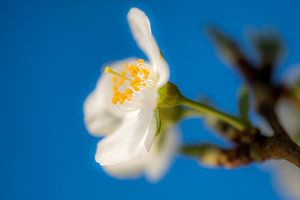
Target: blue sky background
(51, 53)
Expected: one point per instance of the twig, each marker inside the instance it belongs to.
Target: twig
(266, 95)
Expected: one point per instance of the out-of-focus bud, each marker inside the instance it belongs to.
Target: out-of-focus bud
(268, 45)
(207, 154)
(228, 48)
(211, 156)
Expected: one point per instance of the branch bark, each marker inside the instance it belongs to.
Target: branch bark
(262, 149)
(266, 93)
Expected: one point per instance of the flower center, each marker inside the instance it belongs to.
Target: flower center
(138, 80)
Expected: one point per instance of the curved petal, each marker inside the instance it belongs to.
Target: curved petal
(98, 119)
(141, 31)
(153, 164)
(130, 141)
(160, 157)
(100, 115)
(130, 169)
(288, 179)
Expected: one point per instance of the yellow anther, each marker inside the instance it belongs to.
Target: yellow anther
(145, 73)
(121, 98)
(140, 61)
(134, 73)
(132, 67)
(115, 96)
(121, 81)
(114, 100)
(136, 88)
(115, 88)
(136, 83)
(128, 93)
(134, 70)
(114, 80)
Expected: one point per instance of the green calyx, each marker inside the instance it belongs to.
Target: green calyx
(169, 96)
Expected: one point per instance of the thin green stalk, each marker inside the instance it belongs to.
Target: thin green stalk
(209, 111)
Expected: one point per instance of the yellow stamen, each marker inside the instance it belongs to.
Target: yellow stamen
(115, 96)
(140, 61)
(128, 94)
(145, 73)
(121, 98)
(114, 100)
(138, 78)
(137, 84)
(114, 80)
(109, 70)
(122, 80)
(115, 88)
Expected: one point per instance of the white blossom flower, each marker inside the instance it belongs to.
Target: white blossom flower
(123, 108)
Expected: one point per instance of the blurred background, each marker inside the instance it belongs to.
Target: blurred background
(51, 55)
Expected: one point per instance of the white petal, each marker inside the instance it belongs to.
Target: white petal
(100, 115)
(141, 31)
(160, 157)
(288, 179)
(130, 141)
(163, 71)
(289, 115)
(130, 169)
(154, 164)
(98, 118)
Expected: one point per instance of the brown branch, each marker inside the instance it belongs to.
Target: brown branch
(282, 147)
(264, 148)
(235, 136)
(266, 95)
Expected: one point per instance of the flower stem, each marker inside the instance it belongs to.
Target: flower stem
(209, 111)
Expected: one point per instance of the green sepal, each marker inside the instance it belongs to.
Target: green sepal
(169, 96)
(158, 122)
